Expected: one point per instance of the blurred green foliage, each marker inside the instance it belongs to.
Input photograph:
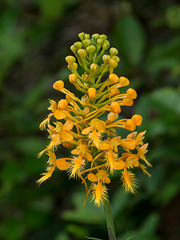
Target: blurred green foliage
(34, 39)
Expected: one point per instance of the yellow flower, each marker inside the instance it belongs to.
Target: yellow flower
(50, 168)
(141, 153)
(57, 112)
(76, 123)
(97, 127)
(138, 138)
(129, 181)
(99, 189)
(77, 164)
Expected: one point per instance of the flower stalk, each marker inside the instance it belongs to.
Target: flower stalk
(109, 220)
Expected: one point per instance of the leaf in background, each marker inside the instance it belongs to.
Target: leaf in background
(150, 225)
(11, 51)
(54, 9)
(146, 231)
(164, 56)
(62, 236)
(30, 146)
(173, 16)
(35, 94)
(130, 38)
(170, 190)
(77, 231)
(83, 214)
(155, 182)
(11, 173)
(93, 238)
(167, 100)
(10, 229)
(119, 201)
(143, 107)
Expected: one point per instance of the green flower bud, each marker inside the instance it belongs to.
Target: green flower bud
(78, 45)
(106, 45)
(106, 58)
(87, 36)
(113, 51)
(93, 67)
(95, 35)
(81, 35)
(113, 63)
(86, 42)
(91, 49)
(103, 36)
(75, 65)
(117, 59)
(100, 41)
(73, 49)
(82, 53)
(70, 60)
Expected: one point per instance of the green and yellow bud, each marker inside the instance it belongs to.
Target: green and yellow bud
(73, 49)
(70, 60)
(78, 45)
(106, 45)
(81, 35)
(106, 58)
(87, 36)
(113, 63)
(82, 53)
(93, 67)
(100, 41)
(117, 59)
(113, 51)
(91, 49)
(75, 65)
(95, 35)
(86, 42)
(103, 36)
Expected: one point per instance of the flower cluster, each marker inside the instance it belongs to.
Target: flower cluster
(76, 123)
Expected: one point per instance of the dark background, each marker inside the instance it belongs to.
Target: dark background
(35, 37)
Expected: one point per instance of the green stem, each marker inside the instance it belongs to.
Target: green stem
(109, 220)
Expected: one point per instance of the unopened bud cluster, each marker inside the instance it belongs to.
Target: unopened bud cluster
(76, 123)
